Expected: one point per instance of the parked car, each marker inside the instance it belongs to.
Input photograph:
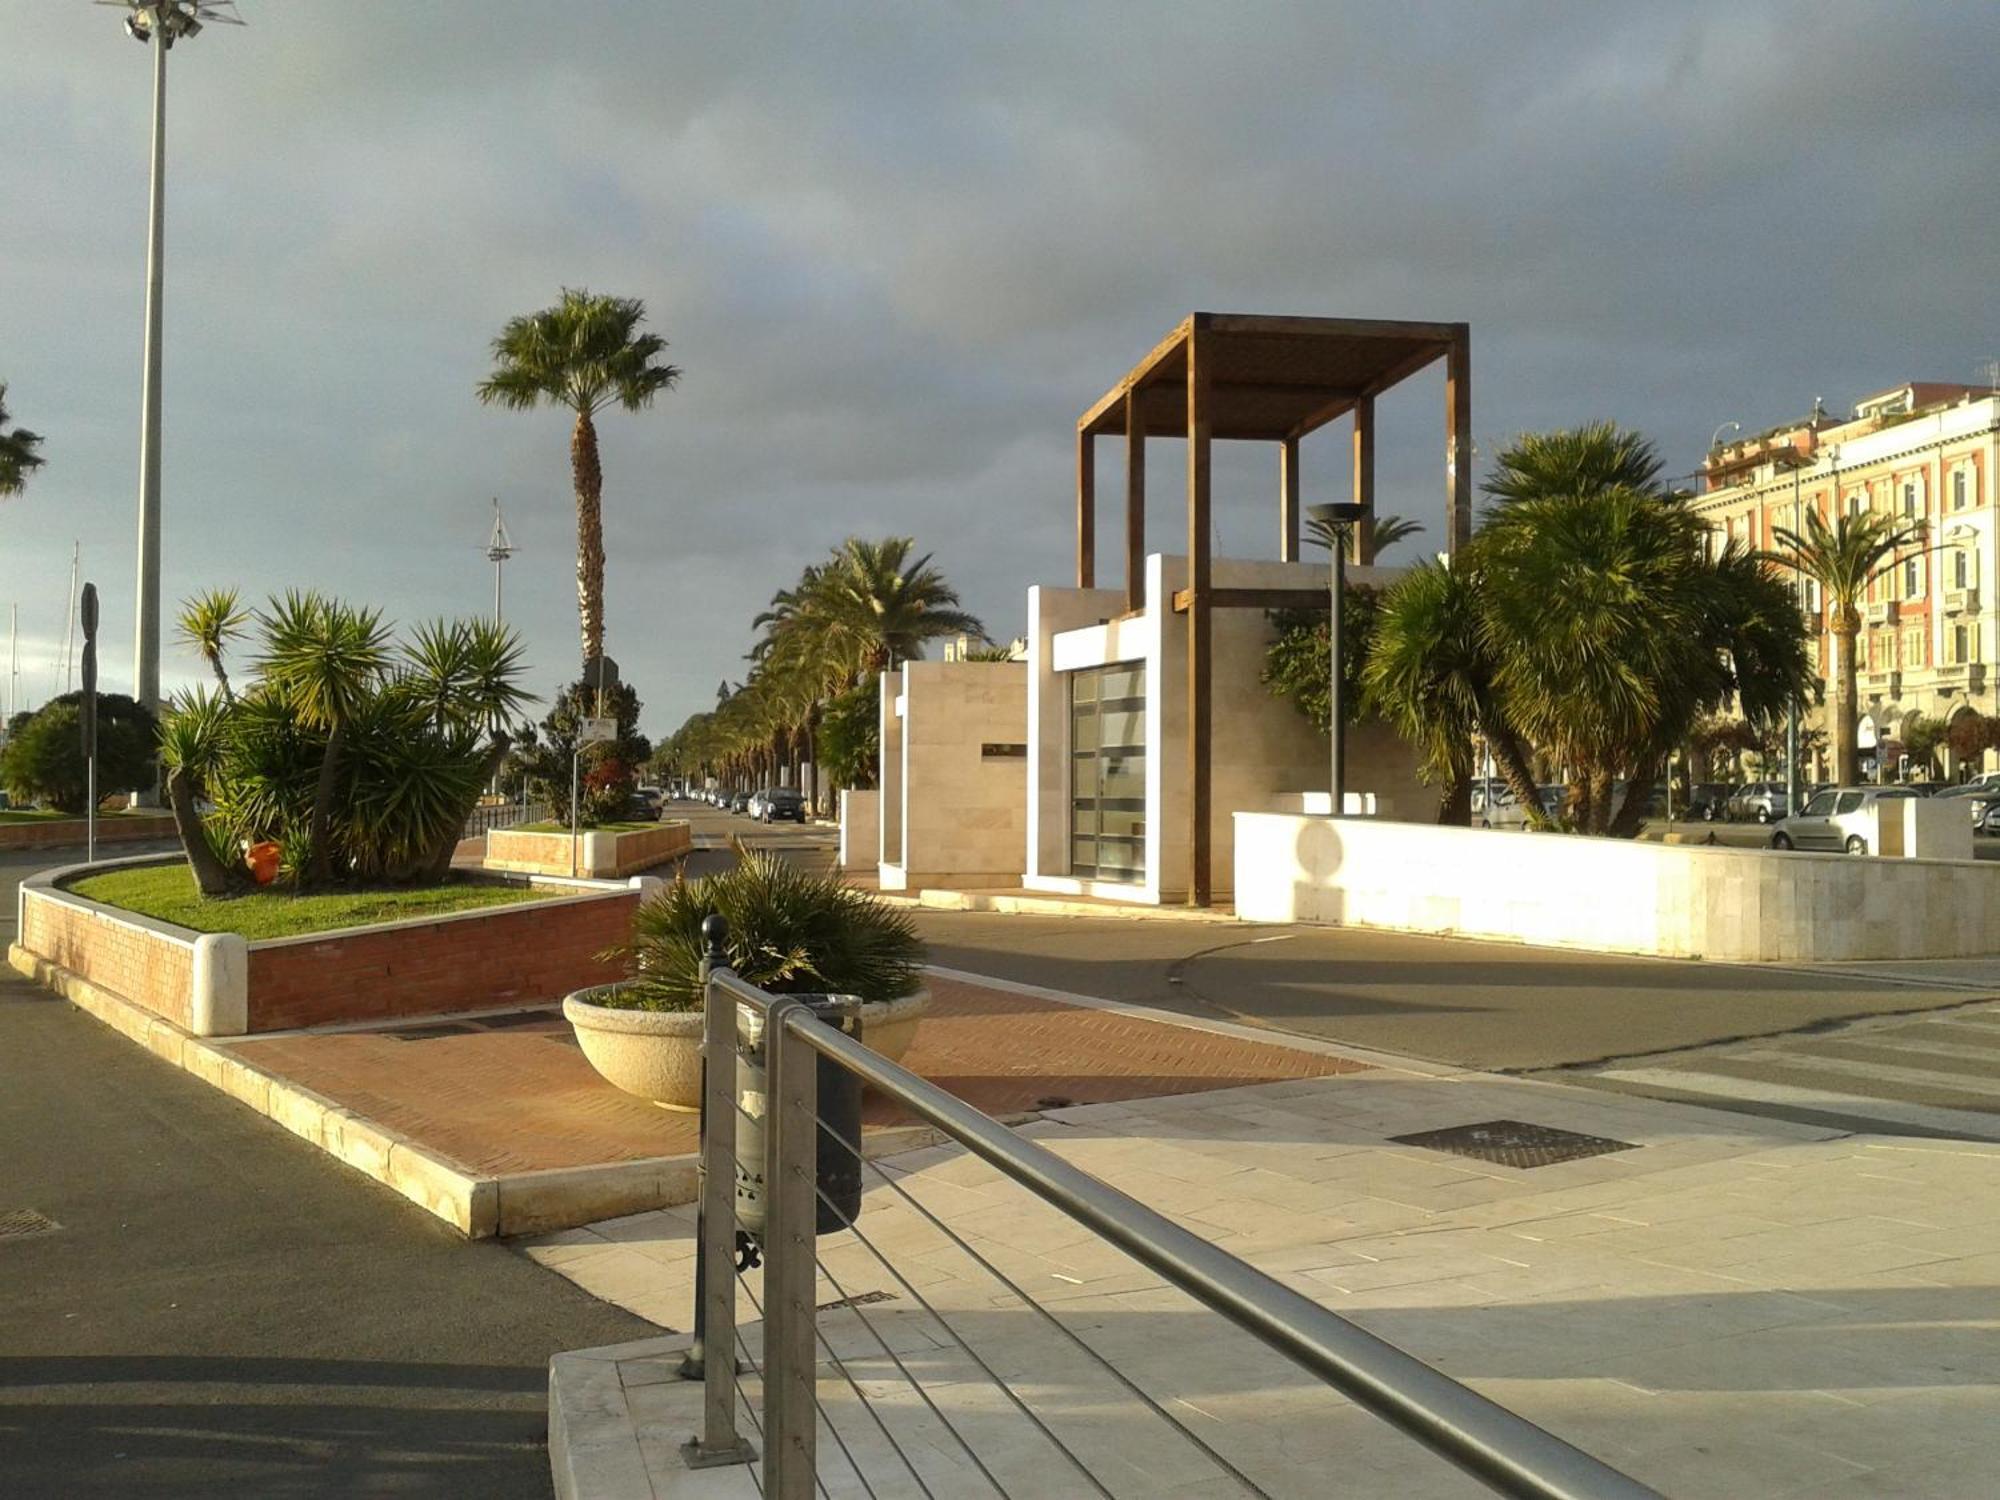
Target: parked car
(639, 808)
(1837, 818)
(782, 802)
(1708, 801)
(1763, 801)
(1981, 801)
(740, 803)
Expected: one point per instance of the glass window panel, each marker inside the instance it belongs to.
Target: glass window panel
(1849, 801)
(1083, 732)
(1123, 682)
(1083, 856)
(1083, 818)
(1124, 823)
(1123, 727)
(1124, 776)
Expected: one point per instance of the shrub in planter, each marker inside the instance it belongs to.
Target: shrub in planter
(791, 932)
(44, 760)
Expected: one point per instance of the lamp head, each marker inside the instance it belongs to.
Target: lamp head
(1337, 513)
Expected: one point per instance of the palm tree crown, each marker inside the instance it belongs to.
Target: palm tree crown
(18, 458)
(1574, 461)
(584, 353)
(1383, 532)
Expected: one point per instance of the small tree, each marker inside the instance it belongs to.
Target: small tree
(1971, 735)
(850, 737)
(44, 761)
(1923, 736)
(545, 764)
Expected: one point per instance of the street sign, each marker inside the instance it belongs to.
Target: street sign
(89, 711)
(601, 672)
(596, 731)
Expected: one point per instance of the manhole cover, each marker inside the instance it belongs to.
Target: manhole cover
(1513, 1143)
(519, 1018)
(19, 1223)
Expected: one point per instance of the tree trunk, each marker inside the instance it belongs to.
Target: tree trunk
(1631, 812)
(319, 870)
(588, 479)
(1846, 628)
(1512, 760)
(1455, 802)
(211, 875)
(437, 864)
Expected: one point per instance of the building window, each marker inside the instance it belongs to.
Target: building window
(1108, 773)
(1960, 568)
(1913, 583)
(1958, 490)
(1913, 647)
(1910, 507)
(1957, 644)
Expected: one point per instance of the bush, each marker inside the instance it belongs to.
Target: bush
(608, 786)
(1295, 662)
(850, 737)
(791, 932)
(44, 760)
(542, 765)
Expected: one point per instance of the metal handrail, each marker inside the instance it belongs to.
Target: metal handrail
(1501, 1449)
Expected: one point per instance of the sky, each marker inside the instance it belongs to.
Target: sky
(897, 249)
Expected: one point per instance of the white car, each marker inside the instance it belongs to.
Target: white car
(1836, 819)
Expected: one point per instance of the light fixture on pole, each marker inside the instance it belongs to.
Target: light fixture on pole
(159, 24)
(499, 547)
(1333, 517)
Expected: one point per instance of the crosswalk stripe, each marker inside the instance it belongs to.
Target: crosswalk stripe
(1880, 1072)
(1980, 1051)
(1890, 1111)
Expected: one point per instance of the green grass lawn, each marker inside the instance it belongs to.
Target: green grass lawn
(626, 827)
(167, 892)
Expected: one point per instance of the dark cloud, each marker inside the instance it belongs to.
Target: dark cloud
(898, 247)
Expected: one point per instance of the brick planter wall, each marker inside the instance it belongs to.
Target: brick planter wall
(59, 833)
(604, 855)
(215, 984)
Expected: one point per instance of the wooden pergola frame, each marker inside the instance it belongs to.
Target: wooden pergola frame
(1238, 377)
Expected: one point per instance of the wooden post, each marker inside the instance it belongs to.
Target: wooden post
(1361, 546)
(1086, 510)
(1135, 502)
(1288, 500)
(1458, 441)
(1200, 707)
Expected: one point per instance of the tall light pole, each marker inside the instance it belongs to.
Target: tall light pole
(1333, 516)
(159, 24)
(499, 547)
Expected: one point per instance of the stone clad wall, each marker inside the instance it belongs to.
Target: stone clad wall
(605, 854)
(65, 833)
(963, 786)
(1613, 895)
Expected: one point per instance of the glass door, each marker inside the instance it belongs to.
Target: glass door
(1108, 773)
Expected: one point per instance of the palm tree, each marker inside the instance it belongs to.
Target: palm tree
(18, 458)
(1842, 559)
(1383, 532)
(209, 622)
(323, 659)
(584, 353)
(1574, 461)
(887, 605)
(1430, 674)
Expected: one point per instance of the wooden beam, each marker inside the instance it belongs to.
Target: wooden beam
(1344, 328)
(1403, 369)
(1199, 634)
(1254, 599)
(1458, 442)
(1135, 504)
(1319, 416)
(1137, 376)
(1086, 511)
(1361, 547)
(1288, 500)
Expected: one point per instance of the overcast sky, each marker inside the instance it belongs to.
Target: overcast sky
(898, 248)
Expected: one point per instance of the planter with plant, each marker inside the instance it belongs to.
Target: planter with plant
(790, 931)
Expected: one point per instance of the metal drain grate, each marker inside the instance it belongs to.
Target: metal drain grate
(860, 1299)
(426, 1033)
(1514, 1143)
(20, 1223)
(520, 1018)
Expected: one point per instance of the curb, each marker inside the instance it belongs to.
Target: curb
(932, 898)
(477, 1205)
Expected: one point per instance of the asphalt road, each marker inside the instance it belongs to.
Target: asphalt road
(224, 1310)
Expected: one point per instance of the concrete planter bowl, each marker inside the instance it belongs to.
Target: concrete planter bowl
(656, 1054)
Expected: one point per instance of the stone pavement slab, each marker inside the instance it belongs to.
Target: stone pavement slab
(1735, 1307)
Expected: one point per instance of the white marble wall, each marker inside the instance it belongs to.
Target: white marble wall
(1613, 895)
(964, 813)
(860, 830)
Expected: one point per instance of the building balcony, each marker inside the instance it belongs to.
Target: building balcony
(1881, 612)
(1963, 601)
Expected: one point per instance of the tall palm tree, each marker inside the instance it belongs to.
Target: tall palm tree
(1842, 559)
(1574, 461)
(584, 353)
(18, 458)
(889, 605)
(1383, 532)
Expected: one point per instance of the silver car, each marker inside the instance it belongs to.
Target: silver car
(1837, 819)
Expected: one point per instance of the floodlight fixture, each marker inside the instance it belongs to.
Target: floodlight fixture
(173, 19)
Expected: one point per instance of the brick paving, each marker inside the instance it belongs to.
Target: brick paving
(521, 1097)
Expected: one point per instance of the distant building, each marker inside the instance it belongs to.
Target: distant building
(1925, 450)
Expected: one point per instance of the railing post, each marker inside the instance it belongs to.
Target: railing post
(790, 1227)
(711, 1358)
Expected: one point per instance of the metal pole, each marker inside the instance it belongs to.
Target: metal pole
(1792, 780)
(711, 1358)
(1337, 737)
(90, 814)
(790, 1230)
(146, 647)
(575, 760)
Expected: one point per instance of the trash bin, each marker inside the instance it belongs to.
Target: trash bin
(837, 1157)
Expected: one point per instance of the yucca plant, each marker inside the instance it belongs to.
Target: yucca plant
(791, 932)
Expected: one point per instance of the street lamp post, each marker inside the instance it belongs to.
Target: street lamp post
(159, 24)
(1348, 514)
(499, 547)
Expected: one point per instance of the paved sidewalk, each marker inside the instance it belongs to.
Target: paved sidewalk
(1735, 1307)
